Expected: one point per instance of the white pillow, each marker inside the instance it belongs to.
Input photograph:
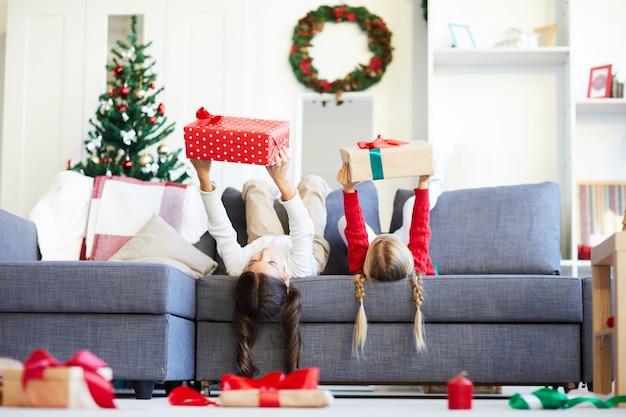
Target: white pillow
(158, 242)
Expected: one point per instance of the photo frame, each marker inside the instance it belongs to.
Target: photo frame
(601, 209)
(461, 36)
(600, 82)
(546, 34)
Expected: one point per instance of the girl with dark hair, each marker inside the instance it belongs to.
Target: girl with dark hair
(386, 257)
(270, 259)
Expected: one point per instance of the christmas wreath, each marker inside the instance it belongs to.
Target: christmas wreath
(363, 76)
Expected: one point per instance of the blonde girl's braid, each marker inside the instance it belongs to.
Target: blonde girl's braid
(360, 325)
(418, 323)
(290, 325)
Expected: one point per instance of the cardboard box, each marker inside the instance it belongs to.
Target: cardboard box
(413, 159)
(60, 387)
(236, 139)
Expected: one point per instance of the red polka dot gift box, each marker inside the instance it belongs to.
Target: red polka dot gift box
(235, 139)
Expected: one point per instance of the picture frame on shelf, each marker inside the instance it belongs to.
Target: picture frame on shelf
(600, 212)
(600, 82)
(546, 34)
(461, 36)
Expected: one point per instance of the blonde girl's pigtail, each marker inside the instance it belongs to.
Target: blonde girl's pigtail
(418, 323)
(360, 325)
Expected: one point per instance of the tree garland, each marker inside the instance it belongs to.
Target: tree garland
(363, 76)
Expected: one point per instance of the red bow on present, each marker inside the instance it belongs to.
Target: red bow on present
(379, 142)
(205, 118)
(307, 378)
(100, 388)
(268, 387)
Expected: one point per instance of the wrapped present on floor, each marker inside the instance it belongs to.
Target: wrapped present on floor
(388, 158)
(235, 139)
(84, 381)
(297, 389)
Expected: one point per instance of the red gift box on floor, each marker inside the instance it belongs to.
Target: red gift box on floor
(235, 139)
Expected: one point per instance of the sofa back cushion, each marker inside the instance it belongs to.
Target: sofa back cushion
(18, 238)
(514, 229)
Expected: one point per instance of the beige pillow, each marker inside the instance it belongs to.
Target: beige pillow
(158, 242)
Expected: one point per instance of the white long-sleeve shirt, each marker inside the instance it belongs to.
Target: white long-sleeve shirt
(296, 248)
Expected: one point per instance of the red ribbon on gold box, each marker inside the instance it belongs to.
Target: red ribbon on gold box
(235, 139)
(297, 389)
(84, 381)
(388, 158)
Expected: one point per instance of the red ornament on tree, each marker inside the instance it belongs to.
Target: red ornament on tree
(118, 70)
(113, 92)
(122, 108)
(153, 120)
(124, 91)
(127, 164)
(161, 108)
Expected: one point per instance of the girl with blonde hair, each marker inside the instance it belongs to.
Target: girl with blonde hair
(386, 257)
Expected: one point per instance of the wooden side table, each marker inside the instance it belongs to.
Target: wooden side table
(610, 253)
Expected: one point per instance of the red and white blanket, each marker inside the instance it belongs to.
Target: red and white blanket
(91, 218)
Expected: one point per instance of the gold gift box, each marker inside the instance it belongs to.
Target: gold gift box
(413, 159)
(60, 387)
(279, 398)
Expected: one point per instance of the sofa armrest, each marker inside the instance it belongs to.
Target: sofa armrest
(18, 238)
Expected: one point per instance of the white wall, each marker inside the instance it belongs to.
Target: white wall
(261, 85)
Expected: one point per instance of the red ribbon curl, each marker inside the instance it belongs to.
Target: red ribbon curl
(100, 388)
(379, 142)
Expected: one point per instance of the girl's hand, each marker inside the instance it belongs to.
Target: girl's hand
(342, 178)
(280, 175)
(203, 170)
(423, 184)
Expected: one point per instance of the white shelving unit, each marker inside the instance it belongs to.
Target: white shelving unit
(504, 116)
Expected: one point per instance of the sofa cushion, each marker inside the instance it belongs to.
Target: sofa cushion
(448, 299)
(158, 242)
(96, 287)
(513, 229)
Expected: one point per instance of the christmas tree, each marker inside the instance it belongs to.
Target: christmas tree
(130, 122)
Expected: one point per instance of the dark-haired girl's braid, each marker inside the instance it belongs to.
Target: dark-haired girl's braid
(418, 323)
(247, 331)
(290, 325)
(360, 324)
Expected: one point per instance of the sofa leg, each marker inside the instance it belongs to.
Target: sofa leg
(143, 389)
(170, 385)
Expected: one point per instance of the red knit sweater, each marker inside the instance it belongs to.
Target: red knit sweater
(419, 240)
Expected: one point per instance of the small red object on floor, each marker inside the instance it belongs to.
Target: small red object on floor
(460, 392)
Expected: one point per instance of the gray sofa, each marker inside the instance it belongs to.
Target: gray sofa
(499, 309)
(139, 318)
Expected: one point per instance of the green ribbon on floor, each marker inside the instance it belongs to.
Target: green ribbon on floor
(551, 399)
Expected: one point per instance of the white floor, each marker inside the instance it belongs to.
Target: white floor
(362, 402)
